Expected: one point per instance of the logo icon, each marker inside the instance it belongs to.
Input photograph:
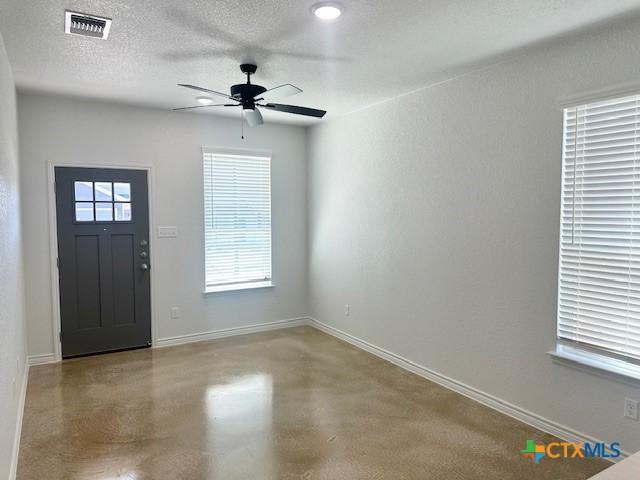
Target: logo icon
(553, 450)
(534, 451)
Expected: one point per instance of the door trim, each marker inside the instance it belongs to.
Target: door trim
(53, 245)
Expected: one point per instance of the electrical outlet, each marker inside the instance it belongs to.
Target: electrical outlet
(631, 408)
(347, 309)
(175, 313)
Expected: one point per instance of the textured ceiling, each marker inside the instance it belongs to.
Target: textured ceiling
(377, 50)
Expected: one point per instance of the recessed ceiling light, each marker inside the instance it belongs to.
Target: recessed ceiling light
(204, 100)
(327, 10)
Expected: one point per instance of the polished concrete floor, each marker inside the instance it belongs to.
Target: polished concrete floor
(288, 404)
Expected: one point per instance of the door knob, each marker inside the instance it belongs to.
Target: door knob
(144, 266)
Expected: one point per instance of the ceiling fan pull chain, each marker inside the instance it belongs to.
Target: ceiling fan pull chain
(242, 123)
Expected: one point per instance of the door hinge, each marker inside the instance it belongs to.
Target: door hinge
(55, 187)
(60, 336)
(58, 263)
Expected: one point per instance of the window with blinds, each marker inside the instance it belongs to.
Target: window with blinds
(237, 220)
(599, 275)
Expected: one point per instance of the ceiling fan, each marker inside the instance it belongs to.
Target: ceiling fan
(250, 97)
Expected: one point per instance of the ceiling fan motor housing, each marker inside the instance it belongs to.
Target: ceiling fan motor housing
(247, 93)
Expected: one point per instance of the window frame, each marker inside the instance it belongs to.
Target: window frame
(574, 353)
(241, 285)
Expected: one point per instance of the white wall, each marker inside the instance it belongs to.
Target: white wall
(12, 324)
(65, 130)
(435, 216)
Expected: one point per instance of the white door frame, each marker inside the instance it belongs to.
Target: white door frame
(53, 245)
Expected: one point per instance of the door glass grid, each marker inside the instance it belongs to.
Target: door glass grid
(102, 201)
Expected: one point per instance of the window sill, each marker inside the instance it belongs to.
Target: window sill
(601, 363)
(238, 287)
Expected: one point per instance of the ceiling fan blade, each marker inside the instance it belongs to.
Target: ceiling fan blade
(206, 90)
(254, 117)
(205, 106)
(282, 91)
(309, 112)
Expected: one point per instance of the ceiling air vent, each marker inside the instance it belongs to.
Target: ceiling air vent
(86, 25)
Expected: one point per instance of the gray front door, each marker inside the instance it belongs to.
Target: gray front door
(103, 259)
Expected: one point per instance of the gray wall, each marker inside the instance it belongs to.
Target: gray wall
(65, 130)
(12, 323)
(435, 216)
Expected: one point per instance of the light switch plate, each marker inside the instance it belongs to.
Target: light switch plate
(167, 232)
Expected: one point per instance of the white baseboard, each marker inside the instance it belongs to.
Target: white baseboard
(18, 431)
(41, 359)
(198, 337)
(544, 424)
(230, 332)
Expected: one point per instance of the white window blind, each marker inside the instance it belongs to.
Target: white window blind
(599, 275)
(237, 219)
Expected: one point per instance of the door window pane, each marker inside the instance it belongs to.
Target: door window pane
(123, 212)
(102, 201)
(84, 212)
(103, 192)
(122, 192)
(83, 191)
(104, 212)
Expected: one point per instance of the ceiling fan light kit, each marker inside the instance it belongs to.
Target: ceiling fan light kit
(250, 96)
